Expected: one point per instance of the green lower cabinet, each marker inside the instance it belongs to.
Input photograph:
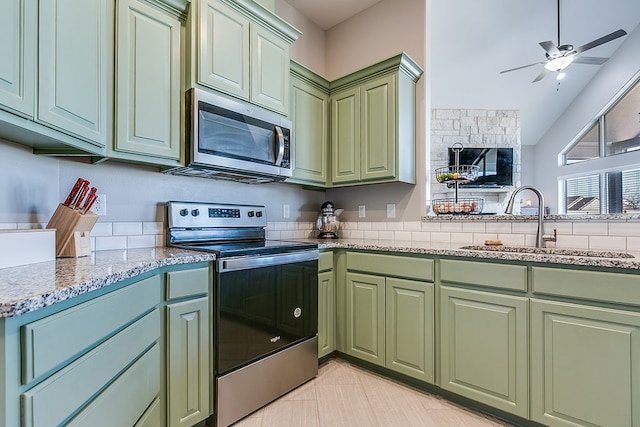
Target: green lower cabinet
(585, 365)
(188, 373)
(484, 348)
(390, 323)
(365, 317)
(326, 313)
(409, 328)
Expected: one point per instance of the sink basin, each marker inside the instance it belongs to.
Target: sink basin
(550, 251)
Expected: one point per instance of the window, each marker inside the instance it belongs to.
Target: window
(617, 131)
(610, 192)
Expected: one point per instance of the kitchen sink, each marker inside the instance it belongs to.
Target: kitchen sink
(550, 251)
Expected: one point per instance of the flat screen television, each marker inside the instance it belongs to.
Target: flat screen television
(496, 165)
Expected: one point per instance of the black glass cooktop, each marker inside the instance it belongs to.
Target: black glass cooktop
(265, 247)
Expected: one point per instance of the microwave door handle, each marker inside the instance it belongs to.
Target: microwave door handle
(280, 149)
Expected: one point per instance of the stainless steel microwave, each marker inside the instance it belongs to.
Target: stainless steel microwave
(233, 140)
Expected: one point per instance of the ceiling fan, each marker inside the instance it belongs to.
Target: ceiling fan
(560, 56)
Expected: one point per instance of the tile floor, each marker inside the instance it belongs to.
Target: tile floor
(344, 395)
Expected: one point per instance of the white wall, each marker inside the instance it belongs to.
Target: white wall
(32, 186)
(382, 31)
(612, 77)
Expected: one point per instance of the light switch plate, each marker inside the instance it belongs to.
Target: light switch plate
(391, 210)
(362, 211)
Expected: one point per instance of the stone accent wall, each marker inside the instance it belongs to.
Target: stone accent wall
(474, 129)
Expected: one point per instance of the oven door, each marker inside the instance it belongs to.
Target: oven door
(263, 304)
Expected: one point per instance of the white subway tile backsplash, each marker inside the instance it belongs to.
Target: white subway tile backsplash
(474, 227)
(364, 226)
(462, 238)
(412, 226)
(402, 235)
(451, 227)
(385, 235)
(440, 237)
(633, 244)
(143, 241)
(420, 236)
(498, 227)
(127, 228)
(590, 228)
(111, 242)
(101, 229)
(479, 238)
(524, 227)
(430, 226)
(511, 239)
(356, 234)
(560, 227)
(572, 242)
(286, 234)
(395, 226)
(624, 229)
(618, 243)
(378, 226)
(371, 235)
(152, 228)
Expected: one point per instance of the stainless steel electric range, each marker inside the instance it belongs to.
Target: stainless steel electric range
(265, 303)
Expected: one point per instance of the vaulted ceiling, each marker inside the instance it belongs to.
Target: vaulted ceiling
(472, 41)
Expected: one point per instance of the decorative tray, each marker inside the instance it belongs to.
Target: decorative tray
(460, 173)
(457, 207)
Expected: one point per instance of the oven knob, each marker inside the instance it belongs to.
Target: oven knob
(259, 214)
(250, 213)
(184, 212)
(195, 212)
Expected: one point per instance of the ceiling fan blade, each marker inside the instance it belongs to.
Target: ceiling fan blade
(541, 75)
(521, 67)
(551, 48)
(592, 60)
(601, 40)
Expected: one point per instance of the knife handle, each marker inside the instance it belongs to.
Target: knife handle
(90, 200)
(83, 192)
(73, 192)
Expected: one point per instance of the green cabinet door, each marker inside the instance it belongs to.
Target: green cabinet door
(484, 350)
(269, 70)
(365, 317)
(309, 114)
(345, 136)
(326, 313)
(409, 328)
(18, 22)
(223, 48)
(188, 357)
(378, 122)
(148, 83)
(75, 57)
(585, 365)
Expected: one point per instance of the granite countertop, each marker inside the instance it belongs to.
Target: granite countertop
(606, 259)
(30, 287)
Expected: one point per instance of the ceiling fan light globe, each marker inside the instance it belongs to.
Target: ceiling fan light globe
(559, 64)
(561, 75)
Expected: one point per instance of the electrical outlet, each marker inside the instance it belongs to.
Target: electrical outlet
(391, 210)
(286, 212)
(362, 211)
(100, 205)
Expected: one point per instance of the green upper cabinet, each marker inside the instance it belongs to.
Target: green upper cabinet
(148, 84)
(310, 117)
(242, 49)
(75, 60)
(373, 124)
(18, 20)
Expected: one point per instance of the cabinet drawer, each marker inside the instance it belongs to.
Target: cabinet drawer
(491, 275)
(325, 262)
(187, 283)
(49, 342)
(391, 265)
(593, 285)
(131, 393)
(58, 397)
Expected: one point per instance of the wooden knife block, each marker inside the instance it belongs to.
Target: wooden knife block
(72, 231)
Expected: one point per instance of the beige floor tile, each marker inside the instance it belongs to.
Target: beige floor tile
(344, 405)
(343, 395)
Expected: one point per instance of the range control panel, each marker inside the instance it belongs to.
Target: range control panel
(206, 215)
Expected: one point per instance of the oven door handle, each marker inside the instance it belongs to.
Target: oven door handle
(257, 261)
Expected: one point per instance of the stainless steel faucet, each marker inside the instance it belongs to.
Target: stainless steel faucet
(541, 238)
